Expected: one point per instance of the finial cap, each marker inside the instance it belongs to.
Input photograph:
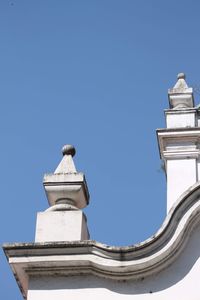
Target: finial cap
(181, 76)
(68, 150)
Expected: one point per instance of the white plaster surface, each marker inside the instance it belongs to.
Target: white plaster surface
(61, 226)
(178, 281)
(180, 119)
(181, 174)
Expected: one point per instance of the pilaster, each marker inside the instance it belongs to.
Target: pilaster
(179, 142)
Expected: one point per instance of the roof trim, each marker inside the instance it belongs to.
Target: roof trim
(90, 257)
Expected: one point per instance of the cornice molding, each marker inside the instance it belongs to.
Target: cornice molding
(181, 154)
(174, 141)
(90, 257)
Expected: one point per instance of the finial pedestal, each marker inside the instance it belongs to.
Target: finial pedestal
(57, 226)
(67, 194)
(179, 142)
(181, 96)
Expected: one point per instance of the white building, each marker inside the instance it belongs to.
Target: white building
(63, 263)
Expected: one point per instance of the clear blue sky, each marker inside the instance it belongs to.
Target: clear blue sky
(94, 74)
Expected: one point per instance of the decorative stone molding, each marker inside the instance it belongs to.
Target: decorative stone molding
(118, 263)
(181, 142)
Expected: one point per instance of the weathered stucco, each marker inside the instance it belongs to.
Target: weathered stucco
(43, 261)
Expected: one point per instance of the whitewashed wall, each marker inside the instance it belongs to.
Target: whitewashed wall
(179, 281)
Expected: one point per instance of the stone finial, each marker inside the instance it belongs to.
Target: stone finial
(67, 193)
(66, 185)
(181, 96)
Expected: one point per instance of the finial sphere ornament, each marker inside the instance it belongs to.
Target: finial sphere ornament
(68, 150)
(181, 76)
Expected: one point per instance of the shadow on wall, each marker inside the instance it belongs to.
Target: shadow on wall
(180, 270)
